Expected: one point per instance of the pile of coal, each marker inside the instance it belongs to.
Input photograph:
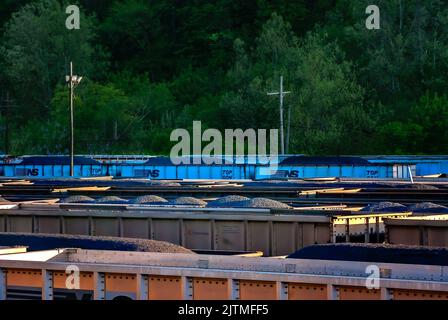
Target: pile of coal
(428, 207)
(235, 201)
(111, 200)
(188, 201)
(386, 253)
(37, 242)
(421, 186)
(227, 201)
(150, 200)
(385, 207)
(264, 203)
(3, 199)
(78, 199)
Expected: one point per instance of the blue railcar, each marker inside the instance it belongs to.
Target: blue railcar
(342, 167)
(385, 171)
(322, 171)
(51, 167)
(425, 165)
(162, 168)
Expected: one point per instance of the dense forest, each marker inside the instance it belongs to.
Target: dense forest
(150, 66)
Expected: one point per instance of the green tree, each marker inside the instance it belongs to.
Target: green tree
(326, 103)
(403, 59)
(138, 34)
(422, 131)
(36, 49)
(255, 73)
(330, 115)
(100, 116)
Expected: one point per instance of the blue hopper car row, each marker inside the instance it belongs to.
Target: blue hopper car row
(287, 167)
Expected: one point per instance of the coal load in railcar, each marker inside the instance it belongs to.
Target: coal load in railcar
(381, 253)
(38, 242)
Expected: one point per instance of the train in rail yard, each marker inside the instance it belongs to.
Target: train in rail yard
(248, 167)
(313, 240)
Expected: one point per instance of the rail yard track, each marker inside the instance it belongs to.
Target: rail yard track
(296, 194)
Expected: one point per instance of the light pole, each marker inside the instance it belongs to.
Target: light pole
(281, 94)
(72, 81)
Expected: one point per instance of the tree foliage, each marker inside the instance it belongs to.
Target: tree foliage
(152, 66)
(36, 49)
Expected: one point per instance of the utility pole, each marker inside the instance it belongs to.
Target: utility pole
(72, 129)
(288, 130)
(72, 81)
(281, 95)
(7, 106)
